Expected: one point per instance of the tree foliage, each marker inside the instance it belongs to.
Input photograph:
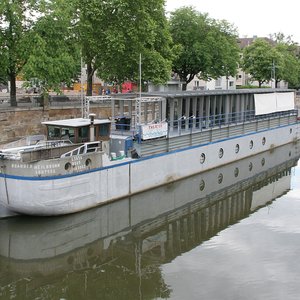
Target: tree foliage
(258, 60)
(45, 39)
(203, 46)
(54, 58)
(16, 19)
(113, 34)
(287, 68)
(272, 60)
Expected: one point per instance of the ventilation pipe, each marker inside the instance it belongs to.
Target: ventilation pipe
(92, 127)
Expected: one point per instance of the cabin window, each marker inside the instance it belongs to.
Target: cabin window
(104, 130)
(68, 133)
(83, 134)
(53, 132)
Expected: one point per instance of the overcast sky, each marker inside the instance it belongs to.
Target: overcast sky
(255, 17)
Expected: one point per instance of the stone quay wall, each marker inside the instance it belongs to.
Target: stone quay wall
(16, 123)
(298, 101)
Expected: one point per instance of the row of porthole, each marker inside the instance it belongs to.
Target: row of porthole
(68, 165)
(237, 149)
(236, 174)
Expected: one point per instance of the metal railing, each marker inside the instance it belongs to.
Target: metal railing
(188, 125)
(86, 148)
(54, 101)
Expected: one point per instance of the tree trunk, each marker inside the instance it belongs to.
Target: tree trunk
(90, 72)
(13, 90)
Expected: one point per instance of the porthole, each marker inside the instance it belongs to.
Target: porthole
(236, 172)
(251, 144)
(68, 166)
(250, 166)
(263, 141)
(263, 162)
(221, 152)
(88, 162)
(237, 148)
(291, 130)
(202, 185)
(220, 178)
(202, 158)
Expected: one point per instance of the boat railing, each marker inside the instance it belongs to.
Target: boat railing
(85, 148)
(25, 141)
(24, 146)
(218, 120)
(184, 125)
(53, 143)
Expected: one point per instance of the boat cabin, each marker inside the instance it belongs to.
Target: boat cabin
(79, 130)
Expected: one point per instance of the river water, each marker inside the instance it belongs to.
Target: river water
(229, 233)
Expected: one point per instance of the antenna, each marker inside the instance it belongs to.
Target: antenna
(139, 99)
(81, 87)
(140, 74)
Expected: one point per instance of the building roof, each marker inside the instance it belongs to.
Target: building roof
(244, 42)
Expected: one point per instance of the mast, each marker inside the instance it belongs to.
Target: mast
(140, 75)
(81, 87)
(139, 99)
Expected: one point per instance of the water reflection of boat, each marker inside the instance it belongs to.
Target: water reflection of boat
(85, 253)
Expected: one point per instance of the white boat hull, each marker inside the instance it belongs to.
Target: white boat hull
(63, 194)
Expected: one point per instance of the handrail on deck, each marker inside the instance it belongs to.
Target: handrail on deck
(192, 123)
(85, 148)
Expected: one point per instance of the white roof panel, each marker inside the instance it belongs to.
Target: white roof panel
(78, 122)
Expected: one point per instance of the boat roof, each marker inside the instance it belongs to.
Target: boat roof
(190, 93)
(77, 122)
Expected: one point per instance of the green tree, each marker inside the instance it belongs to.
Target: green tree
(288, 67)
(280, 38)
(16, 19)
(224, 50)
(113, 34)
(258, 60)
(202, 46)
(54, 57)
